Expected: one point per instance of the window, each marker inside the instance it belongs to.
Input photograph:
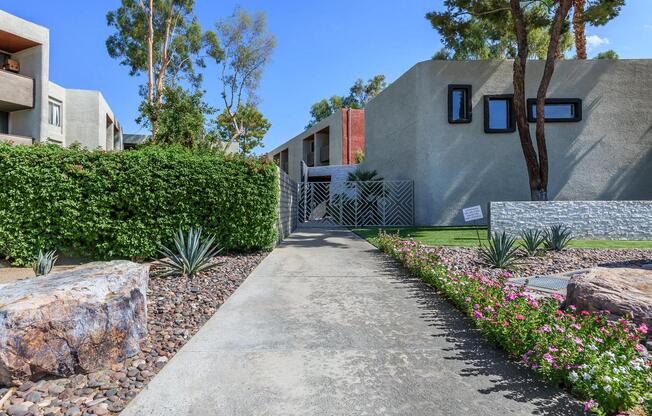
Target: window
(499, 113)
(459, 104)
(54, 113)
(556, 110)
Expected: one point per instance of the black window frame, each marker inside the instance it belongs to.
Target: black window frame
(512, 115)
(469, 106)
(577, 102)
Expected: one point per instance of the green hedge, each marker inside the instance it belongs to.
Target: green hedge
(123, 204)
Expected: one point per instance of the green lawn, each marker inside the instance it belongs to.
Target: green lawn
(468, 237)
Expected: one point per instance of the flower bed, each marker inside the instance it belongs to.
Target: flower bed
(598, 360)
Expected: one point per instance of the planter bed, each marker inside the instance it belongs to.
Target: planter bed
(176, 311)
(600, 361)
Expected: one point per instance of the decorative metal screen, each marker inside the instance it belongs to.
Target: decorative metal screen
(357, 204)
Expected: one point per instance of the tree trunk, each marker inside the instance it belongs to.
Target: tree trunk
(548, 71)
(578, 28)
(150, 66)
(520, 111)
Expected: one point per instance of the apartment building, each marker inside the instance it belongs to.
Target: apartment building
(325, 151)
(35, 109)
(449, 127)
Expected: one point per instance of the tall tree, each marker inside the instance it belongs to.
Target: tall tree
(458, 24)
(579, 28)
(483, 30)
(253, 126)
(181, 119)
(247, 48)
(359, 95)
(161, 38)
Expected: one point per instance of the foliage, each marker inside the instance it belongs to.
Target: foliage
(557, 237)
(363, 175)
(532, 241)
(359, 95)
(610, 54)
(161, 38)
(181, 118)
(483, 30)
(253, 127)
(598, 360)
(247, 48)
(192, 255)
(358, 156)
(500, 251)
(44, 262)
(123, 204)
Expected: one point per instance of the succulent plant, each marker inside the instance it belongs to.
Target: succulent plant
(192, 255)
(44, 262)
(557, 237)
(500, 252)
(532, 241)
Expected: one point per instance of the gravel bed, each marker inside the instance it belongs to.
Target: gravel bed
(176, 310)
(468, 259)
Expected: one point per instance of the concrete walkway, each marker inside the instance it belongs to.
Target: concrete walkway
(326, 325)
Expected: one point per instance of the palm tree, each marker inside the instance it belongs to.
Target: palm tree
(578, 28)
(362, 175)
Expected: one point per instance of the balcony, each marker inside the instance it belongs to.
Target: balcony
(16, 91)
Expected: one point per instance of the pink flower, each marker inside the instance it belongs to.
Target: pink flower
(576, 326)
(545, 328)
(642, 329)
(520, 317)
(590, 405)
(477, 314)
(584, 313)
(578, 341)
(548, 358)
(556, 296)
(572, 308)
(639, 348)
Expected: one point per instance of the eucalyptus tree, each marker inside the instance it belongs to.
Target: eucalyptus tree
(162, 39)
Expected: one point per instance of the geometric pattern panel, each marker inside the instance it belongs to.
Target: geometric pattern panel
(357, 204)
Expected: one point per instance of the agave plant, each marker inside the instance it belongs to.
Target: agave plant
(532, 241)
(500, 252)
(44, 262)
(192, 255)
(557, 237)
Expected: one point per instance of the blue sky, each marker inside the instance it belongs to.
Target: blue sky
(322, 48)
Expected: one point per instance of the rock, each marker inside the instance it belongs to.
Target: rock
(17, 410)
(78, 320)
(34, 397)
(619, 290)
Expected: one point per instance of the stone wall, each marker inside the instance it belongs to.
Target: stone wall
(287, 212)
(604, 220)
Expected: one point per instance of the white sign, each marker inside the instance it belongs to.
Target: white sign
(472, 213)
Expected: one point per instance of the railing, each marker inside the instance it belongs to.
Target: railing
(357, 204)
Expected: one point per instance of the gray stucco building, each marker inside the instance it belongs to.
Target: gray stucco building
(599, 133)
(35, 109)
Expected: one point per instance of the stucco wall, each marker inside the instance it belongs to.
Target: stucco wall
(607, 155)
(608, 220)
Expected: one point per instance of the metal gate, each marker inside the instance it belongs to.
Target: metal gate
(357, 204)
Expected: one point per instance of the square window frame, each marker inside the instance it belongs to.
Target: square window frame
(512, 114)
(577, 102)
(469, 105)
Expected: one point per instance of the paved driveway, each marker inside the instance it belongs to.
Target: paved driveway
(326, 325)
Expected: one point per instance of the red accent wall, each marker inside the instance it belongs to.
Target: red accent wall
(357, 134)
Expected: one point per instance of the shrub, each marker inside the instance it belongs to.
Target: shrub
(597, 359)
(124, 204)
(500, 251)
(557, 237)
(532, 241)
(44, 262)
(192, 255)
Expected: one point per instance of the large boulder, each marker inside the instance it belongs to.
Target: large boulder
(75, 321)
(619, 290)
